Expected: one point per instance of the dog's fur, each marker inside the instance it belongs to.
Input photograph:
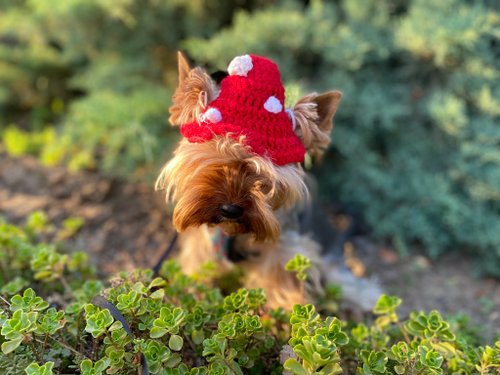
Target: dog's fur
(201, 177)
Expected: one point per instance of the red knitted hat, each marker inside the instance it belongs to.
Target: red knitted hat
(250, 103)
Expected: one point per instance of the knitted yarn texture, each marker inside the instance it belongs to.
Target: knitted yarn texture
(250, 104)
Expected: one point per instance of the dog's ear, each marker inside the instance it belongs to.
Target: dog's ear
(182, 67)
(314, 121)
(195, 90)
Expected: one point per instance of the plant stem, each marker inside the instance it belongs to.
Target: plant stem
(45, 343)
(94, 349)
(402, 329)
(230, 365)
(5, 301)
(66, 286)
(33, 348)
(78, 322)
(139, 372)
(63, 344)
(191, 343)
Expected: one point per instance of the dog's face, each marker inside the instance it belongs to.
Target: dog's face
(221, 181)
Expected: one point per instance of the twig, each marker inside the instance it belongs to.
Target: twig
(402, 329)
(45, 343)
(139, 370)
(79, 343)
(66, 286)
(94, 349)
(63, 344)
(33, 348)
(5, 301)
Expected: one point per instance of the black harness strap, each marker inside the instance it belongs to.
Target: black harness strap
(165, 255)
(103, 303)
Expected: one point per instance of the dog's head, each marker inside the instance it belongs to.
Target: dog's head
(229, 170)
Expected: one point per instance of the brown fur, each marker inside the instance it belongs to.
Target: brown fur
(267, 270)
(263, 270)
(198, 249)
(201, 177)
(194, 91)
(314, 115)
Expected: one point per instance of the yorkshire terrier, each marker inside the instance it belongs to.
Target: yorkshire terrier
(236, 177)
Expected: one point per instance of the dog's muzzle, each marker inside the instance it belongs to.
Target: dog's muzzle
(231, 211)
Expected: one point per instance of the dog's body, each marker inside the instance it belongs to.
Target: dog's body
(262, 262)
(238, 172)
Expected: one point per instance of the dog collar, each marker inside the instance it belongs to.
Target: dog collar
(225, 248)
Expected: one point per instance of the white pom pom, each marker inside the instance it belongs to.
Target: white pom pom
(240, 66)
(273, 105)
(212, 115)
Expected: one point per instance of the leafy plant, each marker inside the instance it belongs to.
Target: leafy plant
(417, 126)
(299, 264)
(35, 369)
(175, 324)
(89, 368)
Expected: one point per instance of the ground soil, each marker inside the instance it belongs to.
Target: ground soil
(127, 226)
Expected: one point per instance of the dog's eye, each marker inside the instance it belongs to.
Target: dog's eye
(264, 187)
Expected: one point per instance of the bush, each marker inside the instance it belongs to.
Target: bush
(175, 324)
(98, 69)
(416, 139)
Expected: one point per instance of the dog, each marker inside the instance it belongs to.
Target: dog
(236, 177)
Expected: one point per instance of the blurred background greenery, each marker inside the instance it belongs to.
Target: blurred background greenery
(416, 151)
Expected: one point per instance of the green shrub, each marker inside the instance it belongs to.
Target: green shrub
(416, 138)
(100, 71)
(173, 324)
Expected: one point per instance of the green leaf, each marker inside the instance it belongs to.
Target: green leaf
(157, 294)
(380, 361)
(116, 325)
(37, 222)
(331, 369)
(35, 369)
(445, 347)
(14, 286)
(50, 322)
(386, 304)
(29, 301)
(198, 336)
(366, 369)
(86, 366)
(102, 364)
(157, 332)
(10, 346)
(399, 369)
(98, 320)
(157, 282)
(175, 342)
(173, 360)
(299, 264)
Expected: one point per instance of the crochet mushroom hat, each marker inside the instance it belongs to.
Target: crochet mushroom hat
(250, 104)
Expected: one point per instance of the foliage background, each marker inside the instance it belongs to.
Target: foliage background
(416, 141)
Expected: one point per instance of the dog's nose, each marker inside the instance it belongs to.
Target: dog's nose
(231, 211)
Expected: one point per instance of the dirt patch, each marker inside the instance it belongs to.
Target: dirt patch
(446, 284)
(127, 226)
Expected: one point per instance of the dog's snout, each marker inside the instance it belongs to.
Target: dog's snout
(231, 211)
